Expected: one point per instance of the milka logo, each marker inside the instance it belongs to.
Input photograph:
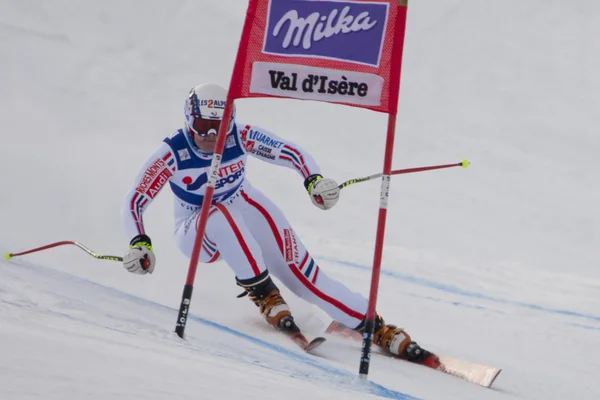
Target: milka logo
(349, 31)
(317, 27)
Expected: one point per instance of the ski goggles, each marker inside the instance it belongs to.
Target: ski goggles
(205, 127)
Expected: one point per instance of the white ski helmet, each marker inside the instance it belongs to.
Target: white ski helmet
(206, 101)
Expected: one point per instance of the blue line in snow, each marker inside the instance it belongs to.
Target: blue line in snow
(466, 293)
(591, 328)
(368, 386)
(350, 380)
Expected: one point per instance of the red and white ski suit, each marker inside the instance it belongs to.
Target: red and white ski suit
(244, 227)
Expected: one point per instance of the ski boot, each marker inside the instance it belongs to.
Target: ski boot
(263, 292)
(396, 341)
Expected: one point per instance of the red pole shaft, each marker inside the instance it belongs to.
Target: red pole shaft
(208, 196)
(200, 229)
(394, 85)
(385, 190)
(186, 297)
(233, 93)
(385, 187)
(48, 246)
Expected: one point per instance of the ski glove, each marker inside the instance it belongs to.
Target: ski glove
(140, 259)
(323, 192)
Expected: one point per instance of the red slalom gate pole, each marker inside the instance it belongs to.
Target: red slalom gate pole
(186, 298)
(394, 86)
(365, 358)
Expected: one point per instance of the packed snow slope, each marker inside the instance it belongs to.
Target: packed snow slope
(496, 264)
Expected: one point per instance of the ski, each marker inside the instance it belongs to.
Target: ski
(482, 375)
(304, 343)
(288, 326)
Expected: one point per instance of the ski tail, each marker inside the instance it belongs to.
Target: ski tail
(304, 343)
(288, 327)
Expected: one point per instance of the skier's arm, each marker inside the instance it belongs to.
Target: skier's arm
(268, 147)
(153, 176)
(262, 144)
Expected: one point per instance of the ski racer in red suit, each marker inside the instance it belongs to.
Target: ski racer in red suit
(244, 228)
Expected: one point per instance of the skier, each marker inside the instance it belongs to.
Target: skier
(244, 228)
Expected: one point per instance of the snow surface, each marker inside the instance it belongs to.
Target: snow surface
(497, 264)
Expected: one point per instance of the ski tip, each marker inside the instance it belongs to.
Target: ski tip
(7, 256)
(493, 379)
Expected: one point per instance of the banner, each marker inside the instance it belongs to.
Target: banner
(345, 52)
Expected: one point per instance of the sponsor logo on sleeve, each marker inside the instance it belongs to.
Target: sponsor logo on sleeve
(248, 145)
(264, 152)
(341, 30)
(261, 144)
(159, 182)
(156, 175)
(263, 138)
(244, 133)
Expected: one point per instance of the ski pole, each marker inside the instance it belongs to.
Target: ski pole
(463, 163)
(8, 256)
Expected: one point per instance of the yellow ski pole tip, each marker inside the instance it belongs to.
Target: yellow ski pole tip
(7, 256)
(465, 163)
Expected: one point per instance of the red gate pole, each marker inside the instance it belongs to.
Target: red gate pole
(397, 51)
(383, 202)
(186, 297)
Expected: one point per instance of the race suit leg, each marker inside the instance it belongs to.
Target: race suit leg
(289, 261)
(227, 237)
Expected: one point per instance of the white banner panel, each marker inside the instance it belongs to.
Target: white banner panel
(313, 83)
